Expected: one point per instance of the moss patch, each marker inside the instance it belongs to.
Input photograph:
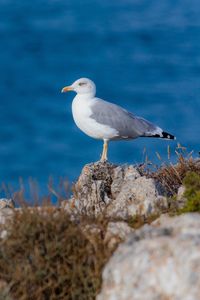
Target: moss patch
(192, 193)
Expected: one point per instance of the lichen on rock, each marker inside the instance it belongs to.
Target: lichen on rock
(118, 191)
(161, 261)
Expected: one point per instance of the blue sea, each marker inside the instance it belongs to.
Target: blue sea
(142, 54)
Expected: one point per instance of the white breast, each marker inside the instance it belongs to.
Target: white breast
(81, 110)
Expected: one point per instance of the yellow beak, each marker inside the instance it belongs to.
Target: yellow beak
(67, 89)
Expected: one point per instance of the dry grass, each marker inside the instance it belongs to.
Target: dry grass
(47, 256)
(171, 175)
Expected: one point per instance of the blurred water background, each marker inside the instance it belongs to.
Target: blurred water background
(142, 54)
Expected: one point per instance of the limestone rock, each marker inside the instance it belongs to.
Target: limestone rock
(117, 232)
(92, 192)
(141, 196)
(181, 200)
(114, 233)
(5, 214)
(161, 261)
(6, 203)
(120, 175)
(118, 191)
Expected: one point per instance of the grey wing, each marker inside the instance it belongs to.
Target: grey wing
(128, 125)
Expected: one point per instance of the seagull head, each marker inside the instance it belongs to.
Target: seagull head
(81, 86)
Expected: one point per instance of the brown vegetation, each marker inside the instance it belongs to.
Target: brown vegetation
(170, 175)
(47, 256)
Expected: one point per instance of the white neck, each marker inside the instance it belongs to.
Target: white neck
(86, 96)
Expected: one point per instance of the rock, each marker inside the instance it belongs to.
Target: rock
(141, 196)
(178, 203)
(92, 192)
(118, 191)
(161, 261)
(121, 174)
(6, 203)
(180, 194)
(116, 232)
(113, 234)
(5, 214)
(181, 200)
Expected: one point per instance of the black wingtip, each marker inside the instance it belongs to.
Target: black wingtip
(162, 135)
(168, 136)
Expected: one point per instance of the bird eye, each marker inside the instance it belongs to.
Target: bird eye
(82, 83)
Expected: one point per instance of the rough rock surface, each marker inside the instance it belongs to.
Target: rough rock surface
(181, 200)
(5, 214)
(118, 191)
(141, 196)
(157, 262)
(117, 232)
(6, 203)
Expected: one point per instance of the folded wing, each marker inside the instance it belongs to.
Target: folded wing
(127, 124)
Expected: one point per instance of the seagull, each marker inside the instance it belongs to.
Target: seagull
(107, 121)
